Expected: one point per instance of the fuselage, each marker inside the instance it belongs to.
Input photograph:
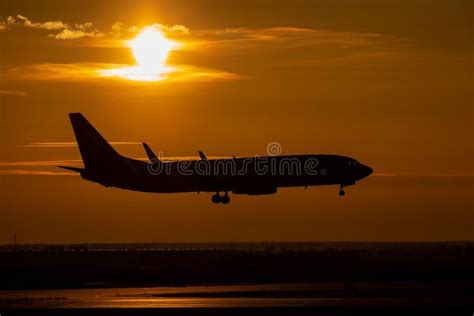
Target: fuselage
(248, 175)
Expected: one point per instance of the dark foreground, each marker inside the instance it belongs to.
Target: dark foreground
(231, 279)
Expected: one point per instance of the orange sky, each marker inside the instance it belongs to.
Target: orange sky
(386, 82)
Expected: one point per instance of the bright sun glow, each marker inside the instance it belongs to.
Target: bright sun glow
(150, 49)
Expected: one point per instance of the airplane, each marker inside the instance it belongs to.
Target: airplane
(247, 175)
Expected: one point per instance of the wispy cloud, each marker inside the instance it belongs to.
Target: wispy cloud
(70, 144)
(18, 172)
(283, 37)
(90, 71)
(78, 162)
(49, 71)
(14, 93)
(178, 74)
(422, 175)
(40, 163)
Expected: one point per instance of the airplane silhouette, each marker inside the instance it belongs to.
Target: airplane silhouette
(247, 175)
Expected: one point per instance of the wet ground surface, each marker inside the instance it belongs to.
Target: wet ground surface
(264, 298)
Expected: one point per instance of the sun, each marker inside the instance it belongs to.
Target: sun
(150, 49)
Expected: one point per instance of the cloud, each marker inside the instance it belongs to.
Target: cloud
(65, 31)
(49, 71)
(90, 71)
(50, 25)
(422, 175)
(69, 144)
(78, 31)
(200, 74)
(174, 29)
(11, 20)
(173, 74)
(67, 34)
(119, 29)
(40, 163)
(14, 93)
(85, 26)
(78, 162)
(284, 37)
(17, 172)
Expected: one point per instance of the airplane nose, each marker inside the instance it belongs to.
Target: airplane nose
(363, 171)
(367, 171)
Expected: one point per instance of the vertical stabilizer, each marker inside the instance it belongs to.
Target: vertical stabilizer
(96, 152)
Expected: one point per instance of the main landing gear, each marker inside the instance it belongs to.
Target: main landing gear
(217, 198)
(341, 191)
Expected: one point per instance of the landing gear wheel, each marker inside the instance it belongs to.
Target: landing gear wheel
(216, 198)
(225, 199)
(341, 192)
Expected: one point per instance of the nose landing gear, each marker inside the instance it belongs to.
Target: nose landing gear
(217, 198)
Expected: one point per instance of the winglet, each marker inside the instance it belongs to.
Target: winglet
(203, 157)
(151, 155)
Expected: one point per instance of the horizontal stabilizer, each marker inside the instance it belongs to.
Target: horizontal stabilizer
(72, 168)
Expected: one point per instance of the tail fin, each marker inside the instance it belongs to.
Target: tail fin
(96, 152)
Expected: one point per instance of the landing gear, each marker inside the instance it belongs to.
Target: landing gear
(225, 199)
(216, 198)
(341, 191)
